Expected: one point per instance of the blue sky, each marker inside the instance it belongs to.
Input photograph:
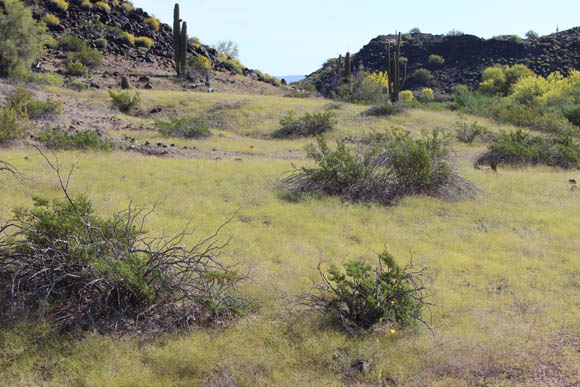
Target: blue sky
(296, 37)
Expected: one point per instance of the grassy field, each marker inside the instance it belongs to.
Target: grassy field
(506, 283)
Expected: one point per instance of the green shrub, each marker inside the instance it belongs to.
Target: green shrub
(467, 133)
(103, 5)
(389, 166)
(436, 60)
(22, 39)
(310, 124)
(144, 41)
(127, 38)
(406, 96)
(520, 148)
(572, 114)
(84, 140)
(39, 109)
(71, 43)
(385, 109)
(50, 20)
(101, 42)
(128, 6)
(422, 75)
(183, 127)
(152, 22)
(76, 69)
(60, 4)
(11, 124)
(52, 79)
(426, 95)
(363, 295)
(86, 5)
(77, 85)
(124, 101)
(89, 57)
(233, 65)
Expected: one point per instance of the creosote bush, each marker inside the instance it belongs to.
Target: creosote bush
(76, 69)
(363, 295)
(50, 20)
(127, 38)
(103, 5)
(124, 101)
(40, 109)
(436, 60)
(14, 116)
(310, 124)
(183, 127)
(60, 4)
(58, 138)
(523, 148)
(422, 75)
(144, 41)
(59, 260)
(467, 133)
(385, 168)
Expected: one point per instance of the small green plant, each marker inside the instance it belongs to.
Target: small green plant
(422, 75)
(572, 114)
(144, 41)
(183, 127)
(385, 109)
(233, 65)
(60, 4)
(297, 94)
(40, 109)
(362, 295)
(88, 56)
(406, 96)
(83, 140)
(128, 6)
(11, 124)
(124, 101)
(436, 60)
(78, 85)
(152, 22)
(199, 62)
(51, 20)
(71, 43)
(127, 38)
(310, 124)
(103, 5)
(467, 133)
(101, 43)
(426, 95)
(76, 69)
(86, 5)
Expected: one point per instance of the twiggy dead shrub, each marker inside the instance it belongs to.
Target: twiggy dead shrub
(60, 260)
(361, 295)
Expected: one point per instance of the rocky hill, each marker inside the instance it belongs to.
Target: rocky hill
(466, 56)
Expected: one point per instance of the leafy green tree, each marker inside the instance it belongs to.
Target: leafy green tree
(22, 38)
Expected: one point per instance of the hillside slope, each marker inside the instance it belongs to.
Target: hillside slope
(466, 56)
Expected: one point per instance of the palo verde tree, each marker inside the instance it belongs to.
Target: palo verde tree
(396, 81)
(22, 38)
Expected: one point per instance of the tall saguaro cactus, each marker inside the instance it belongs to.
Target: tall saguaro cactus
(176, 38)
(183, 49)
(396, 82)
(347, 67)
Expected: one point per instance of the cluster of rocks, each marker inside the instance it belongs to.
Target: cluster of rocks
(96, 22)
(466, 56)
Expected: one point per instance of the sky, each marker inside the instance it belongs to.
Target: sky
(296, 37)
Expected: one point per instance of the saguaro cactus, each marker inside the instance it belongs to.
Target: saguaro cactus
(183, 49)
(176, 38)
(347, 67)
(396, 82)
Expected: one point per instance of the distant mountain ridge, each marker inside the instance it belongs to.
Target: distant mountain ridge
(466, 56)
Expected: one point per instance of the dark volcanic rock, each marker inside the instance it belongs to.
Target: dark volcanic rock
(466, 56)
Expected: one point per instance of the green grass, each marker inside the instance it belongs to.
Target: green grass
(506, 270)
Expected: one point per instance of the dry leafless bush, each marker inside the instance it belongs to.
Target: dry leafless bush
(60, 260)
